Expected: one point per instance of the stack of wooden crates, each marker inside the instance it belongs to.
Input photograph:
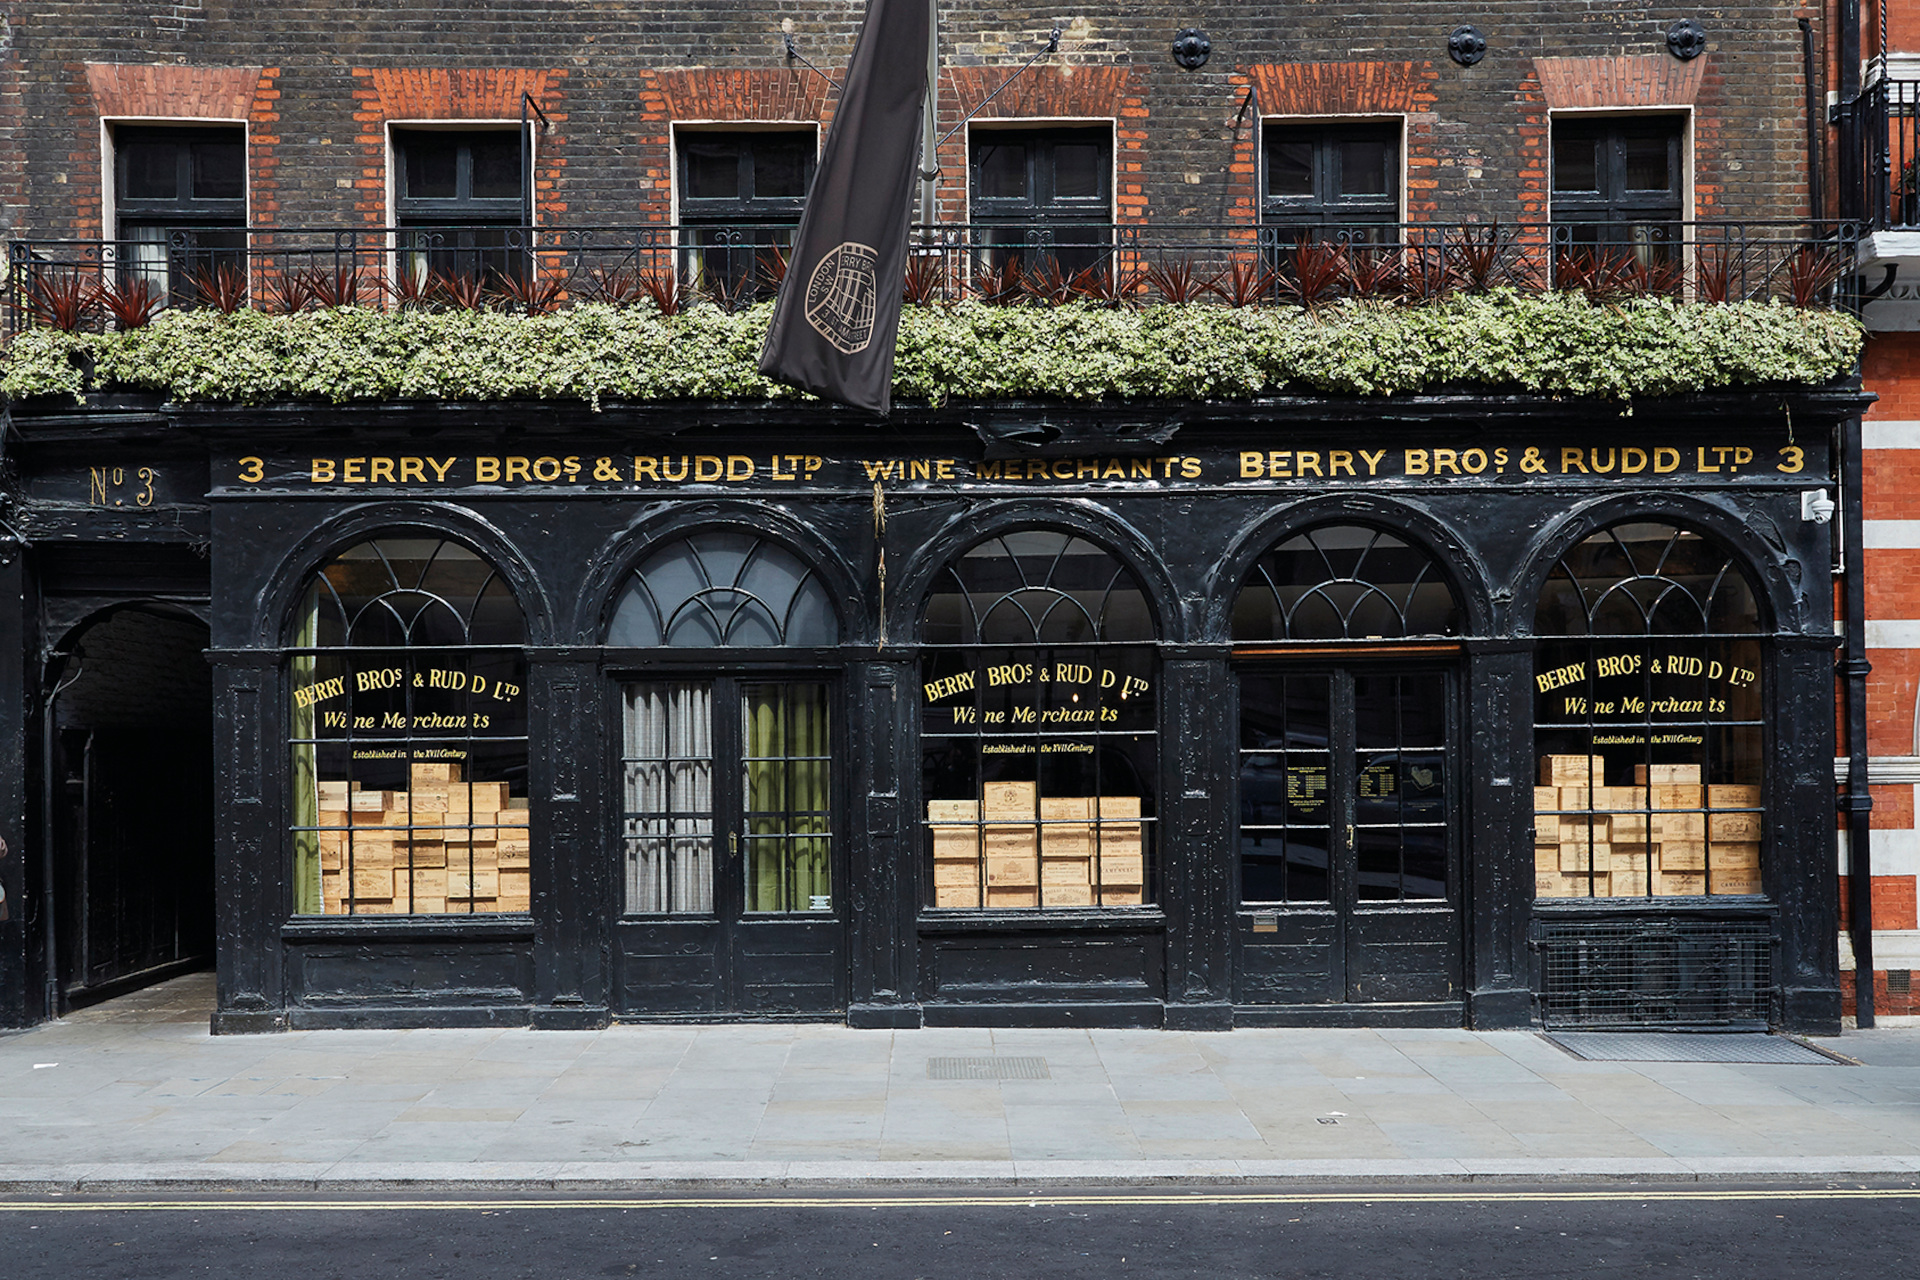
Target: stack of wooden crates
(443, 845)
(1667, 824)
(1027, 864)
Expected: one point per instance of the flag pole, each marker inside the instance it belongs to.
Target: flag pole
(930, 119)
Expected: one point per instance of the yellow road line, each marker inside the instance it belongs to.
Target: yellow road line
(1010, 1199)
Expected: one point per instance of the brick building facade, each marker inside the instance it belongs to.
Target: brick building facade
(352, 121)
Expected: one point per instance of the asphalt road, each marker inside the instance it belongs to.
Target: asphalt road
(1761, 1232)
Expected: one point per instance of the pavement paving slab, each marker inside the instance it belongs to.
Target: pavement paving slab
(136, 1095)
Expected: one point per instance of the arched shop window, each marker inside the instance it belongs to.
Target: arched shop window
(1343, 761)
(1038, 734)
(724, 589)
(408, 718)
(1648, 720)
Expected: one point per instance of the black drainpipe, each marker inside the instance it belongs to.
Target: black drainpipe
(49, 898)
(1816, 174)
(1849, 50)
(1858, 804)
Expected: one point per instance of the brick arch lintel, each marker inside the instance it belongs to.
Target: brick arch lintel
(1627, 81)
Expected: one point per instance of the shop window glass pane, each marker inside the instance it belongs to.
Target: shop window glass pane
(1650, 738)
(1341, 582)
(408, 744)
(723, 588)
(219, 170)
(1000, 171)
(496, 166)
(667, 797)
(1289, 167)
(1363, 167)
(1076, 170)
(1038, 730)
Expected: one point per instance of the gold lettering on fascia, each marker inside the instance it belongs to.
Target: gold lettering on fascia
(1262, 466)
(121, 486)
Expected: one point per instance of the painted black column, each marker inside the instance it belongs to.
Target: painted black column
(1197, 840)
(883, 882)
(573, 848)
(250, 867)
(1498, 864)
(1802, 872)
(19, 998)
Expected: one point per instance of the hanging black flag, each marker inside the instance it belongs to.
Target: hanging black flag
(839, 306)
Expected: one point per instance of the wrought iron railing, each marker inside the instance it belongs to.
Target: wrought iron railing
(117, 283)
(1879, 160)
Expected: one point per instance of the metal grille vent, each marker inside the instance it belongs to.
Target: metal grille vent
(989, 1068)
(1655, 973)
(1679, 1046)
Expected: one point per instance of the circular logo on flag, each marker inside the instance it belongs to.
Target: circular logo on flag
(842, 295)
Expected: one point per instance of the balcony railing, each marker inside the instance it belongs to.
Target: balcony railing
(1879, 161)
(120, 283)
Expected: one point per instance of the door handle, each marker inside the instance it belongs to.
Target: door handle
(1349, 835)
(733, 845)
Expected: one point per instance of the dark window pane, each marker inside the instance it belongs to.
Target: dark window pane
(153, 171)
(780, 166)
(431, 169)
(1377, 859)
(1425, 851)
(1290, 168)
(712, 171)
(1648, 167)
(1001, 171)
(496, 166)
(219, 170)
(1576, 164)
(1363, 167)
(1076, 170)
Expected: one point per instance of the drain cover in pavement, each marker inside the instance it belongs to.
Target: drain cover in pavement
(1679, 1046)
(987, 1069)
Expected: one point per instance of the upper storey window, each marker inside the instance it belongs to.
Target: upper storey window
(180, 198)
(1618, 183)
(1335, 179)
(741, 192)
(458, 192)
(1044, 194)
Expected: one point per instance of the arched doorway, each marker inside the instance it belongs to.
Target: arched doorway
(132, 804)
(1349, 774)
(730, 838)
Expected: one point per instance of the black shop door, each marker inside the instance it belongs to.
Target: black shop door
(1349, 862)
(729, 848)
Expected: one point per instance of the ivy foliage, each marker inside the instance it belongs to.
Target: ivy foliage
(1554, 344)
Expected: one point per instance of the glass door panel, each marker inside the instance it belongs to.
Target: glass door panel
(1286, 805)
(788, 810)
(667, 798)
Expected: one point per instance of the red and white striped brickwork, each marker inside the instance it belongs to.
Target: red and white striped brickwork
(1891, 495)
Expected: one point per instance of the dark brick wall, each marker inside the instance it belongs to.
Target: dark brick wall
(600, 67)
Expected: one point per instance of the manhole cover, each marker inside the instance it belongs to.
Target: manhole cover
(987, 1069)
(1677, 1046)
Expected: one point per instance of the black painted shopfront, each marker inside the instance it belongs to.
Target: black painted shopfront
(1477, 712)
